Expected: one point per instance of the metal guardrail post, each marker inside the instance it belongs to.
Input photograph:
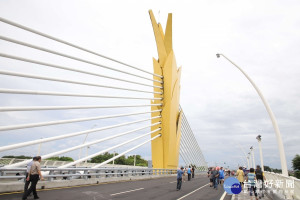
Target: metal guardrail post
(97, 172)
(69, 177)
(51, 172)
(2, 173)
(85, 172)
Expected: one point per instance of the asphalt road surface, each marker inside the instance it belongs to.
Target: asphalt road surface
(160, 188)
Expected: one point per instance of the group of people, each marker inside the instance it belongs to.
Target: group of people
(216, 176)
(181, 172)
(254, 179)
(33, 174)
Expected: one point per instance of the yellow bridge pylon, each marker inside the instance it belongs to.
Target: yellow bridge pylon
(165, 150)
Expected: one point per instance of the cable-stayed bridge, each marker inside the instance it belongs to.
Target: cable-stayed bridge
(63, 99)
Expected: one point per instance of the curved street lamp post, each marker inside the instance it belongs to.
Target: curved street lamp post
(273, 119)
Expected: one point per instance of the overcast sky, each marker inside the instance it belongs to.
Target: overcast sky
(223, 109)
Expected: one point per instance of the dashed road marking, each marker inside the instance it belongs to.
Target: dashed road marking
(127, 191)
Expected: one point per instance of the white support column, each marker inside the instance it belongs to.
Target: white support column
(252, 152)
(248, 162)
(249, 158)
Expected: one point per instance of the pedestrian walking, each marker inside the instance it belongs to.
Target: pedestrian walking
(184, 177)
(251, 179)
(221, 177)
(240, 176)
(260, 177)
(210, 176)
(33, 177)
(27, 173)
(215, 175)
(193, 172)
(180, 173)
(189, 172)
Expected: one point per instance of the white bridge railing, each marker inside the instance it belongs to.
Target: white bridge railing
(282, 187)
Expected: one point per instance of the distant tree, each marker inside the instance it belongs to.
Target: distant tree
(122, 160)
(296, 162)
(296, 166)
(18, 157)
(63, 158)
(130, 160)
(279, 171)
(138, 162)
(101, 158)
(267, 168)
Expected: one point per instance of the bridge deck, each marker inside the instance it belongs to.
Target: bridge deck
(161, 188)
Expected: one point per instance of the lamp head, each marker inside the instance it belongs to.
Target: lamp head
(258, 137)
(218, 55)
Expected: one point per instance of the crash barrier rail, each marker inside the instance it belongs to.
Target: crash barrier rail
(51, 174)
(282, 187)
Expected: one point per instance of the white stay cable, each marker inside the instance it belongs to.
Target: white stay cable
(78, 147)
(51, 93)
(127, 151)
(106, 150)
(43, 140)
(66, 68)
(34, 108)
(22, 126)
(11, 73)
(68, 56)
(70, 44)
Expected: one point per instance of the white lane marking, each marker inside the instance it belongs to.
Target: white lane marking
(223, 196)
(127, 191)
(193, 191)
(173, 182)
(233, 196)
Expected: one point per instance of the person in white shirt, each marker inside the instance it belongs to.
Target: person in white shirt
(27, 173)
(33, 177)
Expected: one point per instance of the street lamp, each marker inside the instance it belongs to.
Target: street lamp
(114, 159)
(260, 152)
(85, 141)
(252, 151)
(134, 161)
(273, 119)
(244, 154)
(87, 153)
(249, 158)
